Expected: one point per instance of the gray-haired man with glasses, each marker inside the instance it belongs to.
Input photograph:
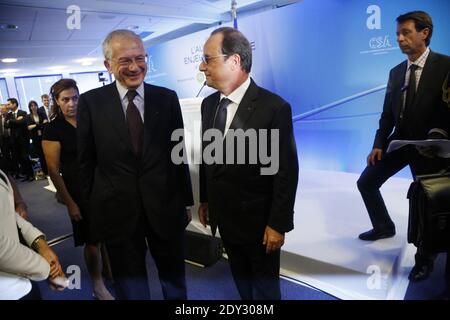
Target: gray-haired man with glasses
(137, 196)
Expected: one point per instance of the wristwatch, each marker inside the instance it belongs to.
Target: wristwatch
(34, 245)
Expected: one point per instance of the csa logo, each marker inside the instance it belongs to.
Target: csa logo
(379, 42)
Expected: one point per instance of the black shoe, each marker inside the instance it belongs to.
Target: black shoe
(420, 271)
(373, 235)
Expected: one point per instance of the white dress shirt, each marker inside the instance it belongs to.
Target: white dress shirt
(47, 112)
(236, 98)
(420, 63)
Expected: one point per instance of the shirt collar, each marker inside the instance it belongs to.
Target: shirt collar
(237, 95)
(420, 62)
(123, 90)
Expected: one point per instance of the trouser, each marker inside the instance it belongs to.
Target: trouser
(373, 177)
(21, 156)
(128, 264)
(255, 273)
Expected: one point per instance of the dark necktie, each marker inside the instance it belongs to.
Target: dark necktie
(411, 91)
(221, 117)
(135, 125)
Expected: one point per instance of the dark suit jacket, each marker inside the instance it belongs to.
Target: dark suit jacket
(241, 201)
(118, 187)
(18, 128)
(42, 112)
(34, 133)
(428, 111)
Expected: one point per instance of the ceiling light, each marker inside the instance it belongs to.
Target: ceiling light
(85, 59)
(56, 68)
(9, 60)
(86, 63)
(8, 70)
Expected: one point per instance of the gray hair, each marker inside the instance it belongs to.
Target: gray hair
(120, 33)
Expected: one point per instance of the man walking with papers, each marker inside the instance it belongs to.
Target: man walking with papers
(413, 110)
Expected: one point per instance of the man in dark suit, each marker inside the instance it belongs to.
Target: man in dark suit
(252, 210)
(137, 196)
(20, 139)
(5, 141)
(45, 108)
(413, 109)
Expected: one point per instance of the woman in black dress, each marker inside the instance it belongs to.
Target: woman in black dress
(35, 123)
(60, 148)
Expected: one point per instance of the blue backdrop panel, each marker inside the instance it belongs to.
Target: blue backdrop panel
(329, 58)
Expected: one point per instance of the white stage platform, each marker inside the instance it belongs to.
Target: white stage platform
(324, 250)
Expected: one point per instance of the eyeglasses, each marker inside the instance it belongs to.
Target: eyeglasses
(126, 62)
(206, 59)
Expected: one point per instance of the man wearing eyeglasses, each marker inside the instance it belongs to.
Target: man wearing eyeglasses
(137, 196)
(252, 211)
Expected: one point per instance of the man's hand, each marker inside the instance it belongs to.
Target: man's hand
(273, 240)
(203, 215)
(19, 118)
(375, 155)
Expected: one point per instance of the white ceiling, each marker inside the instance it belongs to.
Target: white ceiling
(43, 40)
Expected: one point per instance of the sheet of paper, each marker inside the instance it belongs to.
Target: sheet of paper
(442, 144)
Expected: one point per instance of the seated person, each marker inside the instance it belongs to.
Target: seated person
(24, 253)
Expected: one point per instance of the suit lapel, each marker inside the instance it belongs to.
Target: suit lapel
(397, 91)
(151, 113)
(245, 108)
(210, 111)
(117, 116)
